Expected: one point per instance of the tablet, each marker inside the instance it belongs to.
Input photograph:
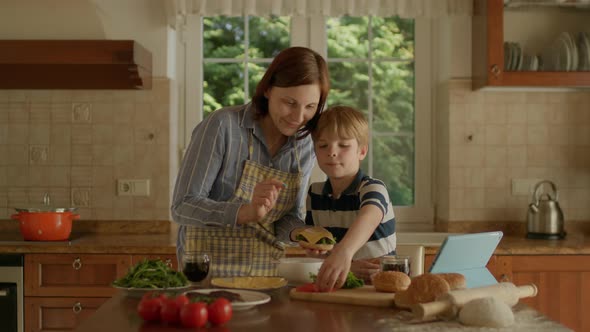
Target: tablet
(468, 254)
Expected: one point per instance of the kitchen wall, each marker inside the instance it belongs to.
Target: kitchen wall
(75, 144)
(488, 138)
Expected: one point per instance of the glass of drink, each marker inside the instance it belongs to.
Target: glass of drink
(396, 263)
(195, 266)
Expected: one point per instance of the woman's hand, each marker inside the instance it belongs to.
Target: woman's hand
(364, 269)
(264, 198)
(334, 270)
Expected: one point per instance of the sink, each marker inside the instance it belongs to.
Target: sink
(433, 239)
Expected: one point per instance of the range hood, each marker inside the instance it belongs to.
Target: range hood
(74, 64)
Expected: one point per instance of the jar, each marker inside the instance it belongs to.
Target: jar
(396, 263)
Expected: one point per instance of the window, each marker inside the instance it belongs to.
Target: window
(373, 66)
(236, 53)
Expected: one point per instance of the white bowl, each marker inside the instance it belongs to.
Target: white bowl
(297, 269)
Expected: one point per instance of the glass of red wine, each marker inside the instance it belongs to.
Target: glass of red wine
(195, 266)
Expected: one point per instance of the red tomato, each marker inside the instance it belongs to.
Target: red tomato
(307, 288)
(149, 309)
(194, 314)
(170, 312)
(181, 300)
(220, 311)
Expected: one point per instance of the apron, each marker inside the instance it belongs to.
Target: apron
(251, 249)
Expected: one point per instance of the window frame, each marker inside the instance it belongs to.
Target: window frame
(305, 32)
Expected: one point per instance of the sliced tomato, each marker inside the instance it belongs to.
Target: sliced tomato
(307, 288)
(310, 288)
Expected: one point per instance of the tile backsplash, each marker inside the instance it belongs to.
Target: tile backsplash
(75, 144)
(487, 139)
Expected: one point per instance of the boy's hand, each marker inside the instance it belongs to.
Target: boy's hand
(334, 270)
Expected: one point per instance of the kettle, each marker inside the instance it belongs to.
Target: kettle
(545, 218)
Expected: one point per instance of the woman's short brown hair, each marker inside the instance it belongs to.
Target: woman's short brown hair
(294, 66)
(344, 121)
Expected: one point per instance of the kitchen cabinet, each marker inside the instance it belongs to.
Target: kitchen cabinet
(62, 289)
(563, 283)
(491, 24)
(59, 313)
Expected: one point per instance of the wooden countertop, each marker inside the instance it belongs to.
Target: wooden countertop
(284, 314)
(165, 243)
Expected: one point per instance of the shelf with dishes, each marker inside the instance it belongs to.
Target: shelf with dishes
(519, 4)
(547, 47)
(568, 52)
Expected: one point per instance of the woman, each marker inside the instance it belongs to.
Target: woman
(241, 187)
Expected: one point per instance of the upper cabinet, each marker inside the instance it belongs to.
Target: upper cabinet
(74, 64)
(541, 43)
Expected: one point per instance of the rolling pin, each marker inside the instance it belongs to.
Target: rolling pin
(448, 304)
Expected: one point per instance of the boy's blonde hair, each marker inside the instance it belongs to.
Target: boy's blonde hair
(344, 121)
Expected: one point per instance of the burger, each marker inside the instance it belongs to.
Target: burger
(316, 238)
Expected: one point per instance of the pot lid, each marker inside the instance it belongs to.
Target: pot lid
(46, 207)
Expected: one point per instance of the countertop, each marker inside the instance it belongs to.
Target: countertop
(284, 314)
(165, 243)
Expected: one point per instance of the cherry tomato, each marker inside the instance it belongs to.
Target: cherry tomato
(181, 300)
(149, 309)
(220, 311)
(194, 314)
(170, 312)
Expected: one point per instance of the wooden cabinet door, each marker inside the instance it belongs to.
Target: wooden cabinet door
(58, 314)
(85, 275)
(563, 283)
(170, 260)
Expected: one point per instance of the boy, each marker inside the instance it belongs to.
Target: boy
(354, 207)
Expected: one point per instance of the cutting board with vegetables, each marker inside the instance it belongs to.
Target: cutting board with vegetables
(365, 295)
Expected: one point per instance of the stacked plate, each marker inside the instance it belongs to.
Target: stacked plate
(568, 53)
(516, 60)
(583, 51)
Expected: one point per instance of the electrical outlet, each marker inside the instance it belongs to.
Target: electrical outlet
(135, 187)
(524, 186)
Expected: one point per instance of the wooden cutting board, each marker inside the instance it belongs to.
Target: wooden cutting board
(366, 295)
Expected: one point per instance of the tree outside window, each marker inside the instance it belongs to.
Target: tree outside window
(371, 62)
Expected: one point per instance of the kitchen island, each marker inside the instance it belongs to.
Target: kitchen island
(105, 251)
(284, 314)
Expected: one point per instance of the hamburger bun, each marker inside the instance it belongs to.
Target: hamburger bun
(455, 280)
(390, 281)
(423, 288)
(316, 238)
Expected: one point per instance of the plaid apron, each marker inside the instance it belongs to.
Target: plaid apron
(250, 249)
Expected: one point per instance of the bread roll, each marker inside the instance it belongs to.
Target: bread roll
(423, 288)
(390, 281)
(455, 280)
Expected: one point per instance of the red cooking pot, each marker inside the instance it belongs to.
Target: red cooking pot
(45, 223)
